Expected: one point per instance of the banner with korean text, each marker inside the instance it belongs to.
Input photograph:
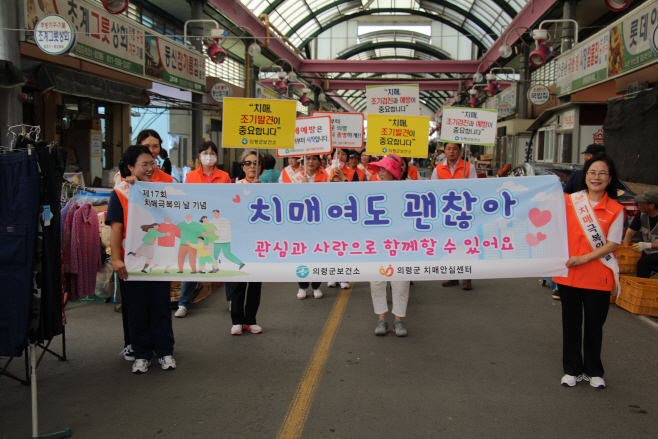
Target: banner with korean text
(258, 123)
(469, 125)
(346, 129)
(312, 136)
(403, 230)
(401, 99)
(405, 136)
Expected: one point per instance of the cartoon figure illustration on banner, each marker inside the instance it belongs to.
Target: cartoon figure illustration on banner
(223, 242)
(147, 249)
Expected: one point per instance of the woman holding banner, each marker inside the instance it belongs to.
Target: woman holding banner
(594, 227)
(310, 173)
(390, 169)
(243, 315)
(146, 303)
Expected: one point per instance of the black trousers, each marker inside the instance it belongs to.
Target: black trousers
(241, 313)
(646, 264)
(593, 304)
(304, 285)
(149, 317)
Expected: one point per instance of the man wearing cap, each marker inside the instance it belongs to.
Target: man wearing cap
(574, 185)
(451, 169)
(647, 223)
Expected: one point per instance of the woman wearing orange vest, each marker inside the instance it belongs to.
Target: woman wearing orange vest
(288, 173)
(451, 169)
(311, 173)
(594, 227)
(152, 140)
(206, 173)
(146, 304)
(365, 160)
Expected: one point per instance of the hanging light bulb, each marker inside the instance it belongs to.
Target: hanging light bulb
(282, 87)
(254, 50)
(216, 53)
(322, 97)
(477, 77)
(292, 76)
(115, 6)
(505, 51)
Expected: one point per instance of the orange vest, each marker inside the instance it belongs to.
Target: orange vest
(161, 176)
(592, 275)
(121, 189)
(319, 177)
(349, 173)
(285, 176)
(197, 176)
(443, 171)
(413, 172)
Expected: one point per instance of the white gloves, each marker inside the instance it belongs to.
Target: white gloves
(641, 246)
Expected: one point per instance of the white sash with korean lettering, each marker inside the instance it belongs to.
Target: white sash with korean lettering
(578, 201)
(295, 177)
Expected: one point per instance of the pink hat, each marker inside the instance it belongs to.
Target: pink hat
(392, 163)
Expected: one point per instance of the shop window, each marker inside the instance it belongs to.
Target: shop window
(546, 144)
(566, 149)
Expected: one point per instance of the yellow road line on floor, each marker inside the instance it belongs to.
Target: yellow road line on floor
(295, 419)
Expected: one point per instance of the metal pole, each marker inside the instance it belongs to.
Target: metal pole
(196, 7)
(568, 13)
(524, 83)
(11, 112)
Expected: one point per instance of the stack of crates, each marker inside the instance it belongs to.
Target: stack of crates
(638, 295)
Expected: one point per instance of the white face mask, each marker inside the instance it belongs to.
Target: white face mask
(208, 159)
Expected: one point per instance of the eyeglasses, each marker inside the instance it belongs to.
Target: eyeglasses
(147, 165)
(597, 174)
(249, 163)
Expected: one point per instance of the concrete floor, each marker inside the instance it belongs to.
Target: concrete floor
(481, 363)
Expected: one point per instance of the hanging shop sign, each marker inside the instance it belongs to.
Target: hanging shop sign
(54, 35)
(504, 102)
(539, 95)
(622, 47)
(263, 92)
(569, 120)
(312, 136)
(419, 230)
(405, 136)
(654, 41)
(503, 109)
(258, 123)
(469, 125)
(219, 91)
(119, 43)
(402, 99)
(346, 129)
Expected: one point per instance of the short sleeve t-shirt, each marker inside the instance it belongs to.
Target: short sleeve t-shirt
(114, 210)
(637, 222)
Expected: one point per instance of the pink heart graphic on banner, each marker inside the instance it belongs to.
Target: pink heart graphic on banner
(531, 239)
(541, 236)
(539, 217)
(236, 199)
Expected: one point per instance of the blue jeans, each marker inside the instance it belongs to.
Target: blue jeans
(19, 216)
(187, 292)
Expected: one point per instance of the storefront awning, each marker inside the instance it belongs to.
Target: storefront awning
(79, 84)
(10, 75)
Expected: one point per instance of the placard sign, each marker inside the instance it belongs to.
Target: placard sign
(312, 136)
(469, 125)
(346, 129)
(405, 136)
(219, 91)
(539, 95)
(402, 99)
(258, 123)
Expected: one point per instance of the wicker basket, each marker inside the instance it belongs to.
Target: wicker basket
(639, 295)
(627, 258)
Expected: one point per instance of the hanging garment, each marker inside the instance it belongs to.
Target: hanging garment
(68, 279)
(85, 251)
(19, 198)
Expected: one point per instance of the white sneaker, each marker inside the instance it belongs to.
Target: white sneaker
(596, 382)
(181, 311)
(128, 353)
(332, 284)
(254, 329)
(167, 362)
(141, 366)
(317, 293)
(344, 285)
(570, 380)
(236, 330)
(301, 294)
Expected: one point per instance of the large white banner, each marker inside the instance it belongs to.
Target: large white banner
(403, 230)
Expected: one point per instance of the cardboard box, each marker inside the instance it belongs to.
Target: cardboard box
(87, 124)
(480, 164)
(486, 157)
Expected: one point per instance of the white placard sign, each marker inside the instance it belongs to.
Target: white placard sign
(469, 125)
(402, 99)
(539, 94)
(312, 136)
(96, 145)
(346, 129)
(54, 35)
(219, 91)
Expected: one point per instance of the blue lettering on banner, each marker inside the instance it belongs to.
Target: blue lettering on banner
(349, 211)
(421, 206)
(377, 216)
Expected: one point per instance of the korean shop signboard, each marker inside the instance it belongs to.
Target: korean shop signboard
(121, 44)
(402, 99)
(619, 49)
(505, 101)
(258, 123)
(405, 136)
(346, 129)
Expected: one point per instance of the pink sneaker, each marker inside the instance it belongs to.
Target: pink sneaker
(236, 330)
(254, 329)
